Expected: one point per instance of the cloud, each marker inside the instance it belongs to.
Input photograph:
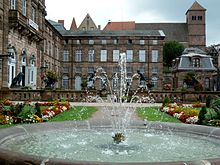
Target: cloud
(129, 10)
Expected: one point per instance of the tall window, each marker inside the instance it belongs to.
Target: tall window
(13, 5)
(196, 62)
(154, 55)
(65, 82)
(33, 14)
(103, 55)
(115, 55)
(24, 7)
(65, 55)
(91, 55)
(129, 54)
(142, 57)
(78, 82)
(207, 83)
(78, 56)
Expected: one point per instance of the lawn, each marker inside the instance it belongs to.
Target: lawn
(83, 113)
(154, 114)
(75, 113)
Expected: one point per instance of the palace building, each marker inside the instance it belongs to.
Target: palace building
(30, 45)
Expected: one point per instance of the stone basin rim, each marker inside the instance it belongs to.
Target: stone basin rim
(15, 158)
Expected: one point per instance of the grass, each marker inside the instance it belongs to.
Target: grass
(153, 114)
(83, 113)
(75, 113)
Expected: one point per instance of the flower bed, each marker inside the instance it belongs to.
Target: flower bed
(185, 113)
(27, 113)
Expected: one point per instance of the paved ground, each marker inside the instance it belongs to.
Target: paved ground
(108, 111)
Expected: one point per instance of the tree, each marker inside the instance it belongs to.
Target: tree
(171, 50)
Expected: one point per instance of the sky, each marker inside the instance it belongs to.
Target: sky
(140, 11)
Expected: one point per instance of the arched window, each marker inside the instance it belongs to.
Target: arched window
(154, 81)
(78, 81)
(207, 83)
(196, 62)
(65, 82)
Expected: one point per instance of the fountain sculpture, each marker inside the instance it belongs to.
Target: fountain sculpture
(90, 142)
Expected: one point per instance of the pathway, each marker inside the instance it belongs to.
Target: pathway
(105, 114)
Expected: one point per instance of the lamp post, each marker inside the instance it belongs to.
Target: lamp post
(4, 67)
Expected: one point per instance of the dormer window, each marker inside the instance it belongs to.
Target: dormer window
(196, 62)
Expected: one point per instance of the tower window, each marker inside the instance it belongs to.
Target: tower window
(193, 18)
(200, 18)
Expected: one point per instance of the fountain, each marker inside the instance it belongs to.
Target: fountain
(114, 139)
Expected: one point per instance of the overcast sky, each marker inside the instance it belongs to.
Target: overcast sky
(140, 11)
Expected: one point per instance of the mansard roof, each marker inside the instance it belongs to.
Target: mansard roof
(186, 61)
(118, 33)
(173, 31)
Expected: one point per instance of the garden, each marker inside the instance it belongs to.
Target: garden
(13, 113)
(196, 113)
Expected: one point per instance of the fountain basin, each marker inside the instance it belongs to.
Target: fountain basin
(10, 136)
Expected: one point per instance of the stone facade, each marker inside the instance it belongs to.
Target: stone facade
(40, 45)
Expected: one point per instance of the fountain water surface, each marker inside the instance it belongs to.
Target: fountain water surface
(113, 138)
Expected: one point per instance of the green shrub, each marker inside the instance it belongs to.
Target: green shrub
(208, 101)
(166, 100)
(202, 114)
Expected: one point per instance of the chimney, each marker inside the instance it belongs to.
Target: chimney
(61, 22)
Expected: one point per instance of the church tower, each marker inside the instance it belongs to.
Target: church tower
(196, 22)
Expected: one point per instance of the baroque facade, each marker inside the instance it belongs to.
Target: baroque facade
(38, 45)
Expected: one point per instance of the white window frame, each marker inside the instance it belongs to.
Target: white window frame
(78, 55)
(24, 7)
(142, 42)
(103, 55)
(116, 55)
(104, 42)
(91, 53)
(129, 55)
(65, 82)
(13, 5)
(66, 55)
(155, 42)
(142, 55)
(91, 42)
(33, 13)
(154, 55)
